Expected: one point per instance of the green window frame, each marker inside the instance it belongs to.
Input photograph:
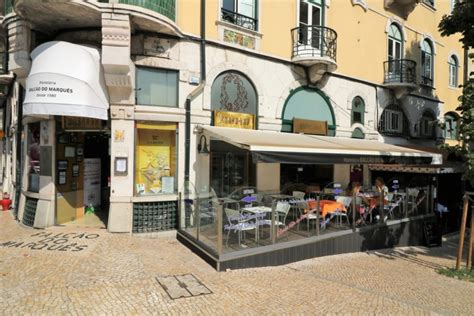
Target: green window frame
(358, 133)
(157, 87)
(450, 130)
(453, 71)
(310, 104)
(427, 63)
(358, 111)
(426, 124)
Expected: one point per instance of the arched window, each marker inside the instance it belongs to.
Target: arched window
(358, 110)
(453, 71)
(393, 121)
(427, 124)
(233, 92)
(395, 42)
(450, 126)
(308, 104)
(358, 133)
(427, 63)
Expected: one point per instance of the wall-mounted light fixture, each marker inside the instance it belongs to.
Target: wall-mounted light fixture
(202, 148)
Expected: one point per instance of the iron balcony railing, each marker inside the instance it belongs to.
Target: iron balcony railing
(239, 19)
(314, 41)
(400, 71)
(427, 81)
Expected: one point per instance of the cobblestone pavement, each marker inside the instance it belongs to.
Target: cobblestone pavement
(92, 272)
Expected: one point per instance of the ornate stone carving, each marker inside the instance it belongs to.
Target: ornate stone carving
(116, 40)
(19, 40)
(402, 7)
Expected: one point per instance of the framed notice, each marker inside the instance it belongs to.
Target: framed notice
(62, 164)
(62, 177)
(75, 170)
(69, 151)
(121, 166)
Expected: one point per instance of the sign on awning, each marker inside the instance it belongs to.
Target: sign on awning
(67, 80)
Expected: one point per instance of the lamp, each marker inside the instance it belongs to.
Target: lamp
(202, 149)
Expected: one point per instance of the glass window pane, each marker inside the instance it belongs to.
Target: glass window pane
(157, 87)
(233, 92)
(229, 5)
(398, 50)
(316, 16)
(390, 49)
(247, 8)
(155, 164)
(304, 13)
(357, 117)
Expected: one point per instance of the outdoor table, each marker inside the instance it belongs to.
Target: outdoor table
(327, 207)
(281, 196)
(258, 210)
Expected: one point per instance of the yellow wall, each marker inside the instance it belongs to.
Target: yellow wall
(362, 42)
(362, 37)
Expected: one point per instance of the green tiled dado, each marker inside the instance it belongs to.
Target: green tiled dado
(165, 7)
(8, 6)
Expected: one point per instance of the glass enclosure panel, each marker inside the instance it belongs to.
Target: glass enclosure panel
(249, 218)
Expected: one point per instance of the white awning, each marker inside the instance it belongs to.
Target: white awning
(268, 146)
(66, 79)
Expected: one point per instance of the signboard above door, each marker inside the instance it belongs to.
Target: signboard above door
(310, 127)
(81, 123)
(234, 119)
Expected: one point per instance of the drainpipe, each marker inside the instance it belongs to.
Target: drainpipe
(19, 156)
(191, 97)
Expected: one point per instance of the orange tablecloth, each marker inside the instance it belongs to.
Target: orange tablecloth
(327, 206)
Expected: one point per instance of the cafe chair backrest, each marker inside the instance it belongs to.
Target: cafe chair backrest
(282, 207)
(232, 215)
(345, 200)
(299, 194)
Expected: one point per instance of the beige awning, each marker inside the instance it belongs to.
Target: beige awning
(269, 146)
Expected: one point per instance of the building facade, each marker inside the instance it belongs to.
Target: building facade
(122, 130)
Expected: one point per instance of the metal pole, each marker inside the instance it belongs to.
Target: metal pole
(462, 232)
(471, 240)
(220, 212)
(318, 208)
(273, 232)
(354, 210)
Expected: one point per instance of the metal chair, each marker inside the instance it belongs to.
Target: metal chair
(281, 212)
(346, 201)
(238, 224)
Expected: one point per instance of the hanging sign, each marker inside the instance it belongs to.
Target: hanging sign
(234, 119)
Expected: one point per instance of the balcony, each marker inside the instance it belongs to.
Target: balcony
(401, 7)
(239, 19)
(400, 75)
(49, 16)
(314, 47)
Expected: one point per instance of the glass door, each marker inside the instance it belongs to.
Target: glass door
(394, 51)
(310, 19)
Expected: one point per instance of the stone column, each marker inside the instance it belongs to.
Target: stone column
(118, 71)
(19, 40)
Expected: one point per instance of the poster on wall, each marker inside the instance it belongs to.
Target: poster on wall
(155, 157)
(92, 186)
